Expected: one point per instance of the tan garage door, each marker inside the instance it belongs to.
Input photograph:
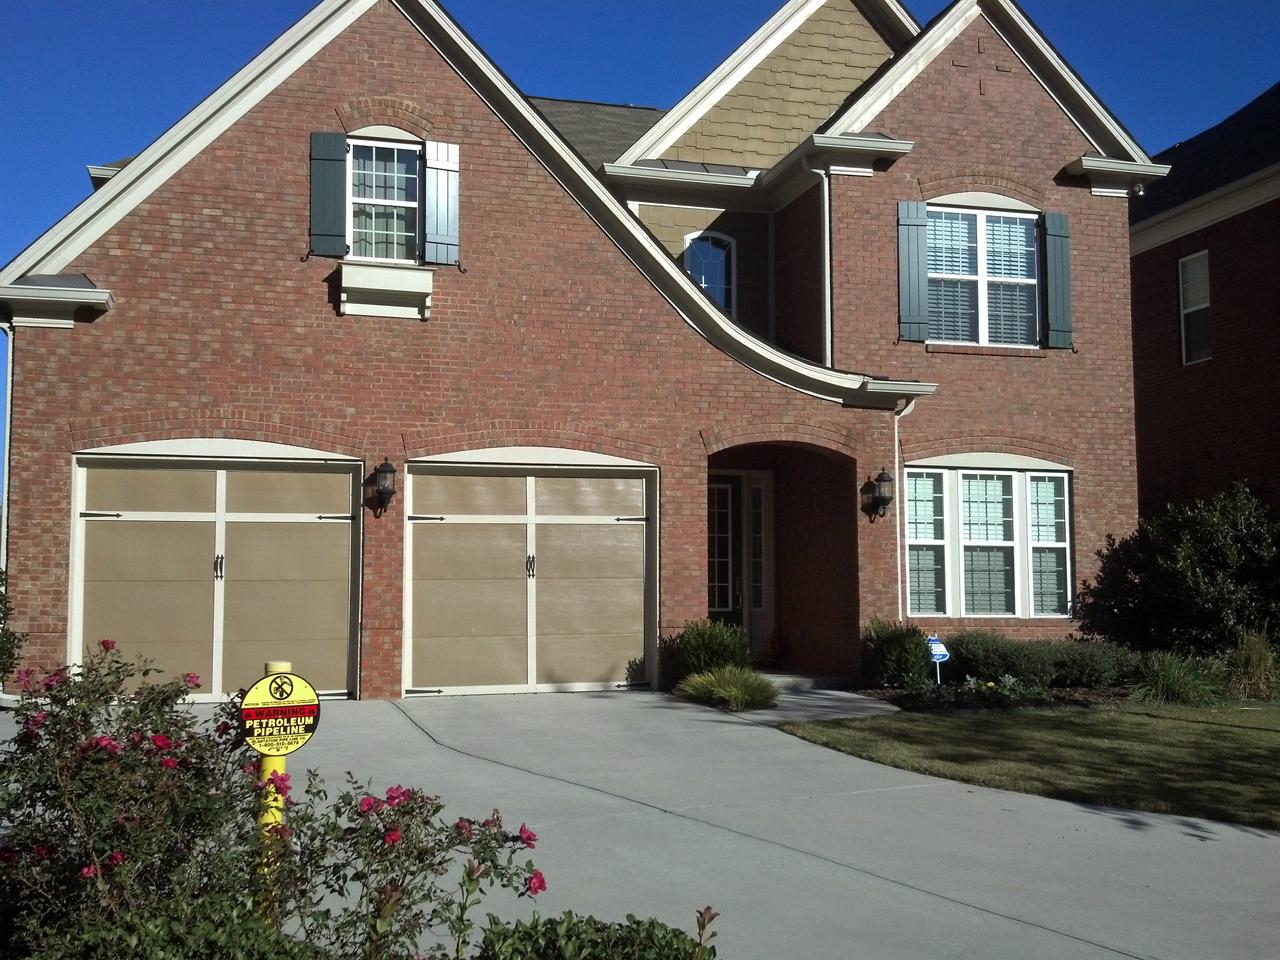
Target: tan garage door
(526, 582)
(214, 570)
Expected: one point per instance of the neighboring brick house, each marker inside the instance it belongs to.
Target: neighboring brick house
(1206, 298)
(607, 353)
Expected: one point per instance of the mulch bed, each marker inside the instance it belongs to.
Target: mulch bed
(1063, 696)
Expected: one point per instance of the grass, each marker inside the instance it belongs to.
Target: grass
(1217, 762)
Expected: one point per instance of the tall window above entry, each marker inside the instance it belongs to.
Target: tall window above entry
(709, 260)
(983, 277)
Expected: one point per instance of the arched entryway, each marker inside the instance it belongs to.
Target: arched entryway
(782, 552)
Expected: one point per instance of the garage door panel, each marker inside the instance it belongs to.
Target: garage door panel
(573, 551)
(469, 608)
(459, 495)
(323, 661)
(169, 622)
(469, 552)
(109, 487)
(471, 661)
(589, 496)
(145, 551)
(290, 491)
(288, 551)
(586, 607)
(607, 658)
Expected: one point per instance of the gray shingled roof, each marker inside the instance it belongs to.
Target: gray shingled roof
(1244, 143)
(601, 132)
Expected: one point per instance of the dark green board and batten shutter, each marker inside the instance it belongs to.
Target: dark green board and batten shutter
(913, 270)
(440, 231)
(1057, 273)
(328, 194)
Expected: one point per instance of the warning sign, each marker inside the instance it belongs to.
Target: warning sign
(279, 714)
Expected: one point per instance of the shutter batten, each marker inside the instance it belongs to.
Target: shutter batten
(913, 270)
(441, 240)
(328, 195)
(1057, 248)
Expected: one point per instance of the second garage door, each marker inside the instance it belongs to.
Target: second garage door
(525, 582)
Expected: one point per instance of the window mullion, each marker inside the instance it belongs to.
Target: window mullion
(983, 336)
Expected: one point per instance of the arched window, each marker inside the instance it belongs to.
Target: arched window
(708, 259)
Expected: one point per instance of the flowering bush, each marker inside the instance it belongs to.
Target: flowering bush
(130, 828)
(974, 693)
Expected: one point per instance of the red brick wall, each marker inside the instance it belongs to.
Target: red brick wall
(1204, 425)
(989, 126)
(798, 298)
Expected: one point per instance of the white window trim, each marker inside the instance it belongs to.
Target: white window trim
(948, 599)
(418, 205)
(1184, 308)
(983, 279)
(732, 244)
(1023, 545)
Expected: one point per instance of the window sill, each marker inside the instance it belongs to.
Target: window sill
(371, 289)
(977, 350)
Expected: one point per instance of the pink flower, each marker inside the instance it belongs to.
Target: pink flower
(369, 803)
(536, 884)
(115, 858)
(89, 870)
(528, 837)
(391, 837)
(104, 742)
(53, 679)
(466, 828)
(35, 721)
(222, 729)
(280, 781)
(160, 741)
(41, 851)
(168, 762)
(192, 679)
(494, 821)
(107, 645)
(397, 795)
(23, 678)
(282, 831)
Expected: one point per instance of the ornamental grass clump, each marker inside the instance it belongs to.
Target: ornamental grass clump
(729, 688)
(1253, 668)
(1170, 678)
(701, 646)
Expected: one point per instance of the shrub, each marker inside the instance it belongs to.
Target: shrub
(586, 938)
(894, 654)
(1177, 679)
(1194, 577)
(1253, 667)
(987, 655)
(974, 694)
(1092, 664)
(729, 688)
(10, 642)
(704, 645)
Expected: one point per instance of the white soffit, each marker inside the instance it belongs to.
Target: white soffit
(215, 447)
(775, 31)
(533, 456)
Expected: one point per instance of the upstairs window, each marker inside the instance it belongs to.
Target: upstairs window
(386, 197)
(709, 260)
(984, 271)
(1193, 281)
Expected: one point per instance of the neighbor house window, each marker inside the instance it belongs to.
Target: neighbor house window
(1193, 279)
(983, 277)
(709, 260)
(987, 543)
(402, 201)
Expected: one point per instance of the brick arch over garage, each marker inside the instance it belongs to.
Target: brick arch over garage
(981, 182)
(429, 442)
(395, 111)
(228, 423)
(746, 433)
(1025, 445)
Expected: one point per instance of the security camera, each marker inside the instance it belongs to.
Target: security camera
(1138, 190)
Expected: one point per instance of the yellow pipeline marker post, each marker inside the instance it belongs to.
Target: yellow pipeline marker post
(278, 715)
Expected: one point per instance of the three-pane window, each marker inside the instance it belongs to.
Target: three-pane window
(1193, 281)
(987, 543)
(983, 277)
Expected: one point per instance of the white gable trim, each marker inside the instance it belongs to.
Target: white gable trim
(58, 247)
(1097, 123)
(695, 105)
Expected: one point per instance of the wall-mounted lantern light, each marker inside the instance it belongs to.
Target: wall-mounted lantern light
(878, 494)
(384, 484)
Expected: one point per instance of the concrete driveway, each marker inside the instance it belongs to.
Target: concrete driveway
(653, 807)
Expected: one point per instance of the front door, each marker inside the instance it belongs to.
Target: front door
(740, 554)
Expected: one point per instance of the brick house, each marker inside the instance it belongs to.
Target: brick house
(624, 367)
(1205, 296)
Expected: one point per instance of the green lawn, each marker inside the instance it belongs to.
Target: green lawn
(1221, 763)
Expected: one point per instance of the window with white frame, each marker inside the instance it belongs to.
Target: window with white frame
(709, 260)
(987, 543)
(402, 201)
(1193, 282)
(984, 269)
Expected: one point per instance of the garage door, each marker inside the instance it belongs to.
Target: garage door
(524, 582)
(215, 570)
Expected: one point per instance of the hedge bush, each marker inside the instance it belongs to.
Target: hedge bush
(702, 646)
(729, 688)
(988, 655)
(894, 654)
(1194, 577)
(586, 938)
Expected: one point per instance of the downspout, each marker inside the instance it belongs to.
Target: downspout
(825, 178)
(902, 513)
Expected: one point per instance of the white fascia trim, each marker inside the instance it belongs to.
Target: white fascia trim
(989, 461)
(1115, 178)
(531, 456)
(648, 255)
(58, 247)
(1206, 210)
(677, 121)
(693, 178)
(101, 173)
(215, 448)
(51, 306)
